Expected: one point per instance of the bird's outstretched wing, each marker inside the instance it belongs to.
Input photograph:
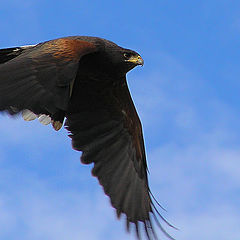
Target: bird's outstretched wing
(39, 77)
(49, 78)
(106, 128)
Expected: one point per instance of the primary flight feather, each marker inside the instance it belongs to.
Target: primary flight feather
(83, 80)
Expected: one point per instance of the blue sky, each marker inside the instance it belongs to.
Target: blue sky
(187, 95)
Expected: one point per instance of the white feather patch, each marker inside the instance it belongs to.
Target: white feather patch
(28, 46)
(44, 119)
(28, 115)
(24, 47)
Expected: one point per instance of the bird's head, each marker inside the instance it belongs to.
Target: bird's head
(121, 58)
(128, 59)
(111, 58)
(132, 58)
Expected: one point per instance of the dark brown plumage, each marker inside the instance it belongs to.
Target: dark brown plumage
(83, 79)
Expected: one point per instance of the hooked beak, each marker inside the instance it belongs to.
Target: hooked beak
(136, 60)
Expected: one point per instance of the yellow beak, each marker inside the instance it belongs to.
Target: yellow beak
(136, 60)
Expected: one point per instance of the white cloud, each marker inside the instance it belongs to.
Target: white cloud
(34, 208)
(199, 186)
(220, 222)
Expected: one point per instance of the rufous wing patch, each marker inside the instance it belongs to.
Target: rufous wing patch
(68, 49)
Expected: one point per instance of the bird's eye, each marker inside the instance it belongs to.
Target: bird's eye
(127, 55)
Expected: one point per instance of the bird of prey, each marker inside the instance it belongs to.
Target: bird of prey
(81, 81)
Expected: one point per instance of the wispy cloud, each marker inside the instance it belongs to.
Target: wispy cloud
(35, 208)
